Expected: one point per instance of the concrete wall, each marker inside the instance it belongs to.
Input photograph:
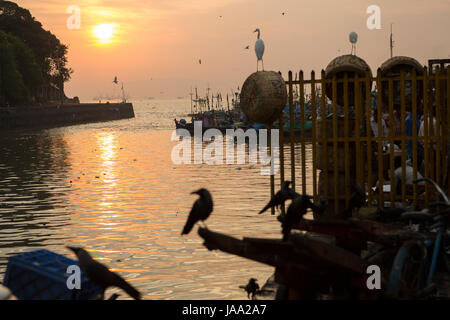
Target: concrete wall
(51, 116)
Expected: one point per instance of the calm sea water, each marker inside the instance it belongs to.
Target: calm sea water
(112, 188)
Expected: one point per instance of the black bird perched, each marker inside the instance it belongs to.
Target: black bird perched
(390, 214)
(251, 288)
(357, 200)
(101, 275)
(295, 212)
(281, 196)
(201, 210)
(319, 208)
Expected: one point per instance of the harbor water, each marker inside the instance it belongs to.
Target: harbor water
(113, 189)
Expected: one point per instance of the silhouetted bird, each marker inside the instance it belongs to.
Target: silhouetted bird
(101, 275)
(295, 212)
(282, 13)
(247, 47)
(200, 61)
(251, 288)
(319, 208)
(390, 214)
(357, 200)
(281, 196)
(115, 80)
(201, 210)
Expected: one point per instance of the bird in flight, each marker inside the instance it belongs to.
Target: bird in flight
(101, 275)
(115, 80)
(200, 211)
(246, 47)
(282, 13)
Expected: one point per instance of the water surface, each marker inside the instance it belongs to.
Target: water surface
(112, 188)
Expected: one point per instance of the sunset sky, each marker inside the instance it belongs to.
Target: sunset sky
(154, 46)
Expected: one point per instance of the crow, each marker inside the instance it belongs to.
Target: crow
(101, 275)
(390, 214)
(201, 210)
(319, 209)
(357, 200)
(251, 288)
(295, 212)
(281, 196)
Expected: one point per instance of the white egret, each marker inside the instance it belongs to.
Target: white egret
(259, 50)
(353, 36)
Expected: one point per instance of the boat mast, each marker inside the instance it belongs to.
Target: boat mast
(192, 115)
(124, 100)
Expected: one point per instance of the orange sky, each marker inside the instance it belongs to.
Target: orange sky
(158, 43)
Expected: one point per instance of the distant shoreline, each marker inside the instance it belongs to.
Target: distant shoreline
(48, 116)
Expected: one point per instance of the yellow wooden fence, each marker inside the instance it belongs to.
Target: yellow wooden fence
(344, 147)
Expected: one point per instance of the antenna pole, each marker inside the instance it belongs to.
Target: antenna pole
(391, 42)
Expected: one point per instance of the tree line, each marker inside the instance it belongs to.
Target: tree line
(32, 60)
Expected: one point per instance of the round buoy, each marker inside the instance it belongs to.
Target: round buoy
(347, 64)
(263, 96)
(392, 68)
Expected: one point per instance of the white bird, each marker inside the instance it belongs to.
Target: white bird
(353, 37)
(259, 50)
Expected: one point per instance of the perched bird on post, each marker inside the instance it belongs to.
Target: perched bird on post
(281, 196)
(390, 214)
(101, 275)
(251, 288)
(319, 208)
(295, 212)
(259, 50)
(353, 37)
(200, 211)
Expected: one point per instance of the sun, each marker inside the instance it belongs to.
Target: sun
(105, 32)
